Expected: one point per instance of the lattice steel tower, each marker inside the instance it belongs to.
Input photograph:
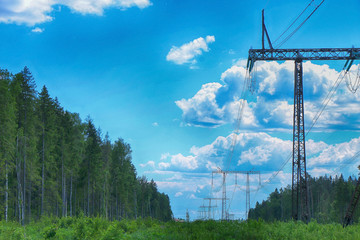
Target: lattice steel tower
(300, 188)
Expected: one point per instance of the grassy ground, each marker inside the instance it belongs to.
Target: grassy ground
(98, 228)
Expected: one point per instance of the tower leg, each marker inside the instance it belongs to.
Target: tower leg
(223, 212)
(247, 195)
(300, 196)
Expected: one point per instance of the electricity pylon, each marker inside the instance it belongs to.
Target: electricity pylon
(300, 189)
(224, 214)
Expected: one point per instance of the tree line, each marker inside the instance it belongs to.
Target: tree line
(54, 164)
(329, 200)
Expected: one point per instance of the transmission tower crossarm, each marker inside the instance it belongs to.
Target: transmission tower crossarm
(303, 53)
(240, 172)
(214, 199)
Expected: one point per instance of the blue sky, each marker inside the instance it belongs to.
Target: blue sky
(167, 76)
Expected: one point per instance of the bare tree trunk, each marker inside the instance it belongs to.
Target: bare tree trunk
(6, 191)
(116, 207)
(88, 196)
(29, 204)
(65, 196)
(84, 205)
(93, 199)
(62, 185)
(71, 195)
(24, 179)
(74, 202)
(57, 201)
(18, 173)
(43, 174)
(135, 203)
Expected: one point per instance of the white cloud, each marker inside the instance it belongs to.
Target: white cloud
(251, 150)
(164, 156)
(164, 165)
(155, 124)
(179, 161)
(37, 30)
(188, 51)
(192, 196)
(149, 163)
(257, 151)
(98, 6)
(26, 12)
(334, 155)
(39, 11)
(178, 194)
(204, 108)
(217, 103)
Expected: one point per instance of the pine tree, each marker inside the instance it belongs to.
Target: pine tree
(46, 144)
(7, 134)
(23, 89)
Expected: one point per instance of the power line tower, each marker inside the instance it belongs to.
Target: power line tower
(353, 203)
(223, 199)
(248, 173)
(211, 207)
(203, 212)
(224, 213)
(300, 189)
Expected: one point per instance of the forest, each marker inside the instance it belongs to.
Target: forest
(329, 200)
(53, 164)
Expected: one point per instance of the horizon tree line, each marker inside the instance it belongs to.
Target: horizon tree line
(54, 164)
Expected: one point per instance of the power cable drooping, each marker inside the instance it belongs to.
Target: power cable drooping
(277, 39)
(293, 32)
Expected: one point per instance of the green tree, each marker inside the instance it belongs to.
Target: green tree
(46, 144)
(23, 89)
(7, 134)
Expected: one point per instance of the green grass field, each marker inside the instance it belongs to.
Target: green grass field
(98, 228)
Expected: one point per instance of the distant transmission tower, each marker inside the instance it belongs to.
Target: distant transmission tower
(224, 213)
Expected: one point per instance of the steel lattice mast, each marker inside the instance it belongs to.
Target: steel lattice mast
(224, 213)
(300, 188)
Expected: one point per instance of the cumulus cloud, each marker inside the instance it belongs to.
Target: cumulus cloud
(333, 155)
(257, 151)
(178, 194)
(179, 161)
(164, 156)
(98, 6)
(26, 12)
(205, 110)
(37, 30)
(39, 11)
(217, 103)
(148, 164)
(251, 150)
(192, 196)
(187, 52)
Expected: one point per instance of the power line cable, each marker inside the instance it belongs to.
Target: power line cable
(346, 162)
(291, 34)
(277, 39)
